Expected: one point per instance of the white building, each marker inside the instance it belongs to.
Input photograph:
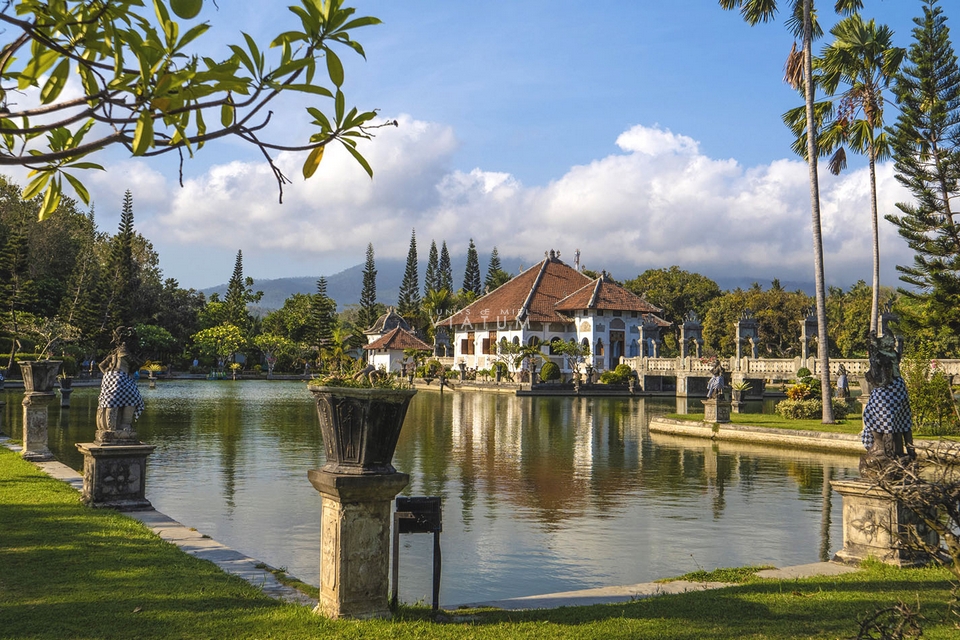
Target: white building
(552, 301)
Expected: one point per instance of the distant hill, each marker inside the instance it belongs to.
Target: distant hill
(345, 286)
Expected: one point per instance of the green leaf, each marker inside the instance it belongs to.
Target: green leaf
(227, 113)
(192, 35)
(334, 67)
(55, 84)
(79, 188)
(254, 52)
(313, 161)
(143, 136)
(361, 22)
(340, 106)
(359, 158)
(51, 200)
(35, 186)
(85, 165)
(311, 88)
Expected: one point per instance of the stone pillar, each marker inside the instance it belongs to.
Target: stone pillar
(35, 405)
(114, 475)
(716, 410)
(65, 393)
(874, 523)
(355, 523)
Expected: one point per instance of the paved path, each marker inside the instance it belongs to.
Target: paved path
(256, 573)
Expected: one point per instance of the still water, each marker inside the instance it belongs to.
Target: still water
(539, 494)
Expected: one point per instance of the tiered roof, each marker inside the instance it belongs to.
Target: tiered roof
(398, 338)
(547, 292)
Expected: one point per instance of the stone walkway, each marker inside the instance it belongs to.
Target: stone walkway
(196, 544)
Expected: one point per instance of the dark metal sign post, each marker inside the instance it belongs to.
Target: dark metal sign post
(417, 515)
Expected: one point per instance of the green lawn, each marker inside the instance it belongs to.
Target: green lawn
(853, 424)
(71, 572)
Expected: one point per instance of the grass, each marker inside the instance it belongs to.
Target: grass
(71, 572)
(730, 575)
(852, 425)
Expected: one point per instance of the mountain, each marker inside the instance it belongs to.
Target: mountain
(344, 287)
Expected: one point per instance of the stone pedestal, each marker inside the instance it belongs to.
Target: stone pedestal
(355, 542)
(716, 410)
(65, 394)
(874, 525)
(35, 417)
(114, 475)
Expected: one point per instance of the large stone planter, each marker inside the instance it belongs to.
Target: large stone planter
(39, 376)
(360, 427)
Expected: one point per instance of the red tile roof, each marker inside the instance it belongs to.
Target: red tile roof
(531, 296)
(604, 293)
(398, 339)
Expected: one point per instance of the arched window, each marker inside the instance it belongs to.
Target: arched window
(634, 349)
(533, 341)
(599, 350)
(585, 343)
(516, 340)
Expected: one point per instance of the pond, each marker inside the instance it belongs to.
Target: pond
(539, 494)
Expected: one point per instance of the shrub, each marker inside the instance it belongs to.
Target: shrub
(620, 375)
(433, 369)
(549, 371)
(69, 366)
(502, 368)
(809, 409)
(799, 392)
(803, 372)
(931, 398)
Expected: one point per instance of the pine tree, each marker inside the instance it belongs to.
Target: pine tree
(16, 286)
(471, 276)
(496, 276)
(431, 281)
(369, 311)
(323, 316)
(445, 270)
(239, 294)
(927, 160)
(408, 304)
(121, 276)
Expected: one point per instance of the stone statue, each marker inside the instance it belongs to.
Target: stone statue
(716, 383)
(887, 420)
(120, 401)
(843, 384)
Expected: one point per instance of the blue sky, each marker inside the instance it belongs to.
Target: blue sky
(645, 133)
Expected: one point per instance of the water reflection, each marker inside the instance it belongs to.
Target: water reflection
(540, 494)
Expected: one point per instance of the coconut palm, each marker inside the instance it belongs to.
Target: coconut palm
(802, 23)
(863, 59)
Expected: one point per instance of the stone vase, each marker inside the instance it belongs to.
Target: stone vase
(360, 427)
(39, 376)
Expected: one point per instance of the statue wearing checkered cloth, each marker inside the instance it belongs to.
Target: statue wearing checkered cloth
(120, 401)
(887, 421)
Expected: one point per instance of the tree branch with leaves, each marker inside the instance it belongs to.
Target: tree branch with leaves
(145, 90)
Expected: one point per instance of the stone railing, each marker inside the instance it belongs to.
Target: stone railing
(766, 367)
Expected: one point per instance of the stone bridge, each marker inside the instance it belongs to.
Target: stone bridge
(688, 376)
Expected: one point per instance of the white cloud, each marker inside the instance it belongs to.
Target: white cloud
(659, 202)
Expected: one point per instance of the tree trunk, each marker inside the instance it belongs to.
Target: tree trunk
(875, 302)
(823, 343)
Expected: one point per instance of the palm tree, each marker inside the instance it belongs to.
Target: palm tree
(799, 71)
(863, 58)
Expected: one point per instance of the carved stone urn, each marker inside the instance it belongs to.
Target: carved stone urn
(360, 427)
(39, 376)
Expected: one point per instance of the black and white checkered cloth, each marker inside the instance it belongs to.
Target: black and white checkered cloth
(887, 411)
(119, 390)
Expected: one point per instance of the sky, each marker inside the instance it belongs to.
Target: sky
(643, 133)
